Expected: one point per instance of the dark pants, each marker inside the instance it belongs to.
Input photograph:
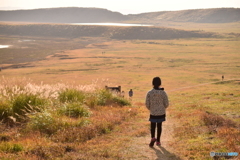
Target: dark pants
(159, 130)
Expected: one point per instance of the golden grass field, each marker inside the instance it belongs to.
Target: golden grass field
(204, 109)
(132, 64)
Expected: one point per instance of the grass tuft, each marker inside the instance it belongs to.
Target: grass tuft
(71, 95)
(26, 103)
(5, 111)
(75, 110)
(43, 122)
(215, 120)
(10, 147)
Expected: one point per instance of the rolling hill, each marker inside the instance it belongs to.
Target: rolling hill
(62, 15)
(97, 15)
(53, 22)
(219, 15)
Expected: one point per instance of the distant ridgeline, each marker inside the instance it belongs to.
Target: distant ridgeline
(218, 15)
(50, 23)
(97, 15)
(62, 15)
(113, 32)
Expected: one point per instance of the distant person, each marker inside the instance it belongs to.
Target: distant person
(222, 77)
(156, 102)
(122, 94)
(130, 93)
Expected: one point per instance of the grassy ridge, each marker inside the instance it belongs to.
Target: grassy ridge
(76, 31)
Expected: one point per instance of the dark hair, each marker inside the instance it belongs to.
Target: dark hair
(156, 82)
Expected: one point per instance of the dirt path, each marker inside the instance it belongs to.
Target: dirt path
(140, 145)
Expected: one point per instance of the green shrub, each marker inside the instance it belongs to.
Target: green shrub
(103, 96)
(75, 110)
(10, 147)
(71, 95)
(5, 111)
(26, 103)
(91, 100)
(43, 122)
(121, 101)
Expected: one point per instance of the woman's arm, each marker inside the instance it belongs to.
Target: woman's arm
(147, 102)
(165, 100)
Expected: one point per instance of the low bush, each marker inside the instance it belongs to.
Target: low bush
(9, 147)
(43, 122)
(103, 96)
(121, 101)
(5, 111)
(71, 95)
(26, 103)
(91, 100)
(215, 120)
(75, 110)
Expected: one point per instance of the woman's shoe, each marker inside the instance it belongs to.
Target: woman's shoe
(153, 140)
(158, 143)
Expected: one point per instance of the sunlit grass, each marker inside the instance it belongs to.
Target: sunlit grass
(203, 108)
(61, 116)
(208, 120)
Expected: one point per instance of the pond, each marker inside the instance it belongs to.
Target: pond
(110, 24)
(26, 40)
(4, 46)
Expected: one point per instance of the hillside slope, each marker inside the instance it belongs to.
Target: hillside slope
(62, 15)
(96, 15)
(219, 15)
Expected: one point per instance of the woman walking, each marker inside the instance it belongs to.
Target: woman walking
(156, 103)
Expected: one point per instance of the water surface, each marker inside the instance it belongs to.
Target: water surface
(110, 24)
(4, 46)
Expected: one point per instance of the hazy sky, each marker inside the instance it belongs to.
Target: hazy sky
(123, 6)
